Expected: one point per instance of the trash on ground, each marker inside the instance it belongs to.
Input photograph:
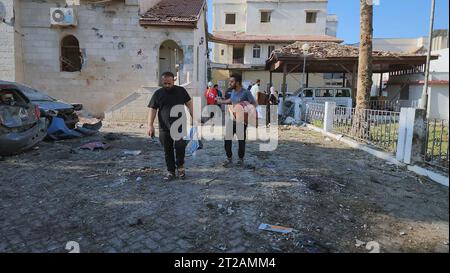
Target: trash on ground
(138, 179)
(95, 146)
(360, 243)
(58, 130)
(279, 229)
(132, 152)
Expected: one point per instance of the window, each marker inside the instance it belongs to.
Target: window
(343, 93)
(265, 16)
(256, 51)
(324, 93)
(330, 76)
(230, 18)
(307, 93)
(238, 55)
(311, 17)
(270, 49)
(71, 59)
(404, 92)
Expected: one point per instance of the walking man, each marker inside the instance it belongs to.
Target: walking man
(238, 95)
(162, 103)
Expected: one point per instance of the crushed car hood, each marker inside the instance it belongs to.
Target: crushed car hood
(53, 105)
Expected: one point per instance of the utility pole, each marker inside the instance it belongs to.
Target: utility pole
(424, 99)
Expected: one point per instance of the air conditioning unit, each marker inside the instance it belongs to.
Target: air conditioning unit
(62, 17)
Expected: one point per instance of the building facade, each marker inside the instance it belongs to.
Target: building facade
(111, 54)
(245, 32)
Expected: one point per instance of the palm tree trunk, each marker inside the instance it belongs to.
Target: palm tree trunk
(364, 69)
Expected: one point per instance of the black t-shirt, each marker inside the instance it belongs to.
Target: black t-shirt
(163, 100)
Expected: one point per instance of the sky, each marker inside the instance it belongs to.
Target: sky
(392, 18)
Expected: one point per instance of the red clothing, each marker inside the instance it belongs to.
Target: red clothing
(211, 95)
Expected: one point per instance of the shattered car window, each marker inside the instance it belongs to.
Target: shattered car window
(14, 109)
(35, 95)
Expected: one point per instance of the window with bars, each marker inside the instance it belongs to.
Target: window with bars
(71, 58)
(256, 51)
(266, 16)
(230, 18)
(311, 17)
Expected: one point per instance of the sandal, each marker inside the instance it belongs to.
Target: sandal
(169, 176)
(181, 173)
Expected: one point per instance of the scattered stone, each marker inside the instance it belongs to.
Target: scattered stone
(230, 211)
(138, 179)
(360, 243)
(402, 233)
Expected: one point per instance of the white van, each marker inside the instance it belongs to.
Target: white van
(341, 95)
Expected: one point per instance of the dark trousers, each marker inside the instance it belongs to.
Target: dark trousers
(229, 143)
(169, 145)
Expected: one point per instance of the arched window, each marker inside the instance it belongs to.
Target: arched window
(71, 58)
(256, 51)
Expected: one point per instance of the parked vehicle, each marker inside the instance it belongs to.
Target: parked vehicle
(295, 103)
(48, 104)
(21, 125)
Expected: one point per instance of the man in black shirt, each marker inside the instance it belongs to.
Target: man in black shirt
(162, 103)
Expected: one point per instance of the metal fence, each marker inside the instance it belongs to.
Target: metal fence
(437, 143)
(375, 127)
(392, 105)
(314, 114)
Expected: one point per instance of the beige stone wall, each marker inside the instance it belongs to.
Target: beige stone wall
(122, 57)
(7, 59)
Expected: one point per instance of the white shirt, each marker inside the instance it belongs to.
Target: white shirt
(272, 90)
(254, 90)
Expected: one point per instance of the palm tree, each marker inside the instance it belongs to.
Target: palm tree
(364, 67)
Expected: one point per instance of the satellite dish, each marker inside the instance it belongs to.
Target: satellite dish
(2, 12)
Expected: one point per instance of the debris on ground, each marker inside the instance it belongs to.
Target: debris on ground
(279, 229)
(112, 136)
(58, 130)
(132, 152)
(360, 243)
(95, 146)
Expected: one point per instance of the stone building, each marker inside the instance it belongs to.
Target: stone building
(106, 54)
(246, 32)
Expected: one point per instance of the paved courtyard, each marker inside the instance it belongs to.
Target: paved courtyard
(336, 198)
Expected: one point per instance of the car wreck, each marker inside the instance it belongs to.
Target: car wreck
(21, 124)
(47, 104)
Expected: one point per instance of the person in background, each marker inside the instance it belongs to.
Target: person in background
(219, 93)
(273, 98)
(255, 90)
(211, 94)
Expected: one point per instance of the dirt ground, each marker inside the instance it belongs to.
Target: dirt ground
(336, 199)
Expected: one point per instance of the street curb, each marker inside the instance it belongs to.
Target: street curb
(436, 177)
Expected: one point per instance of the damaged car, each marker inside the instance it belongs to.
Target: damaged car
(47, 104)
(21, 124)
